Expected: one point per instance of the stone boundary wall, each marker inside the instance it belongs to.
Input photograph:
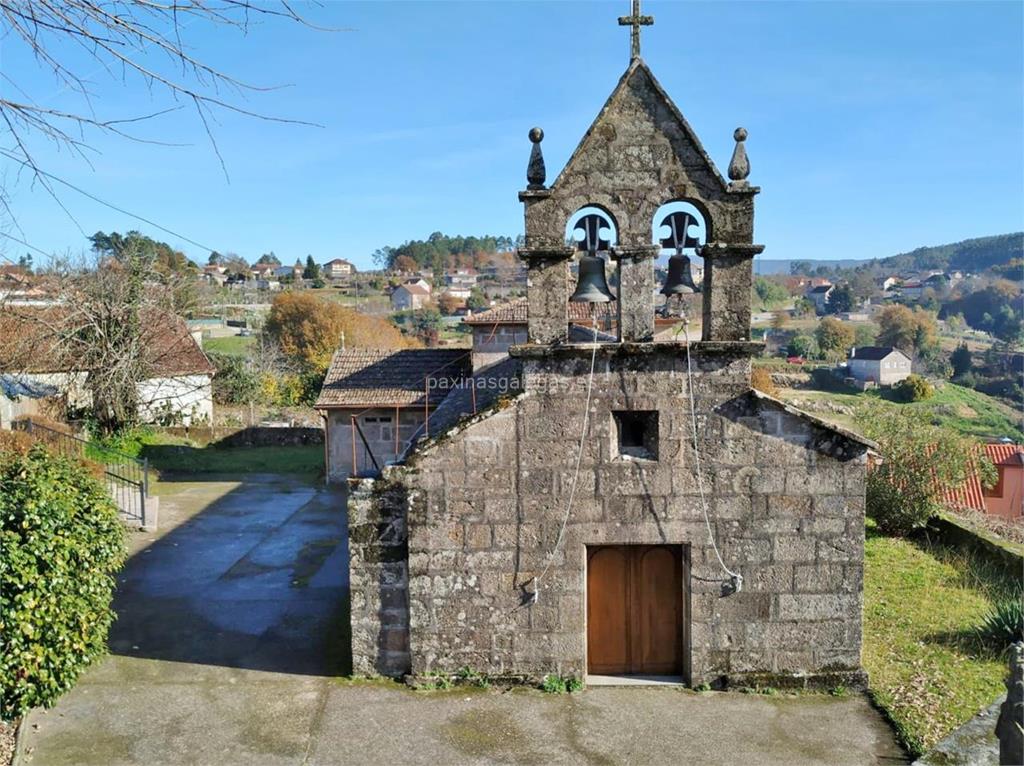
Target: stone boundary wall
(378, 577)
(250, 436)
(956, 533)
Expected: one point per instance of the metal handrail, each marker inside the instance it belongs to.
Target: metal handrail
(123, 471)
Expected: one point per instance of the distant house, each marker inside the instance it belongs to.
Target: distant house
(497, 329)
(409, 297)
(269, 283)
(458, 292)
(911, 291)
(388, 394)
(419, 281)
(16, 286)
(339, 268)
(819, 295)
(880, 365)
(887, 283)
(1006, 498)
(215, 274)
(466, 278)
(262, 270)
(289, 272)
(177, 389)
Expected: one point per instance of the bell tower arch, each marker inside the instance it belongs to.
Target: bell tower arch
(638, 155)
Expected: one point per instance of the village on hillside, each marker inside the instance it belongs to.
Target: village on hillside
(601, 490)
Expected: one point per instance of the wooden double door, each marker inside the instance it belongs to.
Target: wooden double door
(636, 601)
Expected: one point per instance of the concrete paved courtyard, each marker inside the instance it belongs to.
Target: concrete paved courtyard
(232, 632)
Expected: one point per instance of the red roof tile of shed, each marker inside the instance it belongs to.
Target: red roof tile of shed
(375, 377)
(516, 312)
(971, 494)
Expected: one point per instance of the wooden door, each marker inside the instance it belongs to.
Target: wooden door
(635, 601)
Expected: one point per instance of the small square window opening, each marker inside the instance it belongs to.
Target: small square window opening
(636, 433)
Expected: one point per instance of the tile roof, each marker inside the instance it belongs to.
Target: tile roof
(476, 394)
(375, 377)
(1005, 454)
(170, 348)
(971, 494)
(414, 288)
(516, 312)
(873, 353)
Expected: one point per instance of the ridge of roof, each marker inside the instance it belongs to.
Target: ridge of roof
(873, 353)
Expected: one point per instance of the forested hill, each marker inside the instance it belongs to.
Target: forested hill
(440, 251)
(973, 255)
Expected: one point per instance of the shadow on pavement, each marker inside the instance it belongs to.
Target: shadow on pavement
(251, 573)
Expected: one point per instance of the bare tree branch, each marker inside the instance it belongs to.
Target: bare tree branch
(143, 39)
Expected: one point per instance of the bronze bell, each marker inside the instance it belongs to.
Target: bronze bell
(680, 278)
(591, 285)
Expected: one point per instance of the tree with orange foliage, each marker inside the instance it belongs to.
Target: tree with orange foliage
(449, 304)
(406, 264)
(310, 330)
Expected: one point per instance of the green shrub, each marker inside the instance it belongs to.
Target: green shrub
(1004, 624)
(914, 389)
(918, 461)
(894, 513)
(61, 543)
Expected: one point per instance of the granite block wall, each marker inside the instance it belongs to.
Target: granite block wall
(483, 506)
(378, 577)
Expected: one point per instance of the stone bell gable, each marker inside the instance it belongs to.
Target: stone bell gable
(638, 155)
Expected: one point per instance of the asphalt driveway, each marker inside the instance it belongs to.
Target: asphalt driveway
(232, 632)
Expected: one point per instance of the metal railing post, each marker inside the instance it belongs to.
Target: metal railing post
(145, 490)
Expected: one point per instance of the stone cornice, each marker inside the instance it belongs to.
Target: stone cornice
(717, 249)
(636, 252)
(741, 188)
(546, 253)
(534, 194)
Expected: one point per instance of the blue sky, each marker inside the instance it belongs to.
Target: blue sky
(874, 127)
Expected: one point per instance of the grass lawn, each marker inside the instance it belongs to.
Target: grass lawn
(922, 603)
(367, 301)
(177, 454)
(306, 459)
(233, 345)
(964, 410)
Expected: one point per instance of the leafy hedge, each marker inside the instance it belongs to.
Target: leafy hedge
(914, 389)
(61, 543)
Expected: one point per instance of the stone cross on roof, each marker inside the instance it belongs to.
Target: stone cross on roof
(635, 20)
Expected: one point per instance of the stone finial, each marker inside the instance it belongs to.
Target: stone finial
(1011, 715)
(739, 165)
(536, 173)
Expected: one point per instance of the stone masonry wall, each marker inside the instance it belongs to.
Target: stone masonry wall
(378, 578)
(484, 504)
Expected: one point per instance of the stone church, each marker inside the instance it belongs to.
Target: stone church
(625, 507)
